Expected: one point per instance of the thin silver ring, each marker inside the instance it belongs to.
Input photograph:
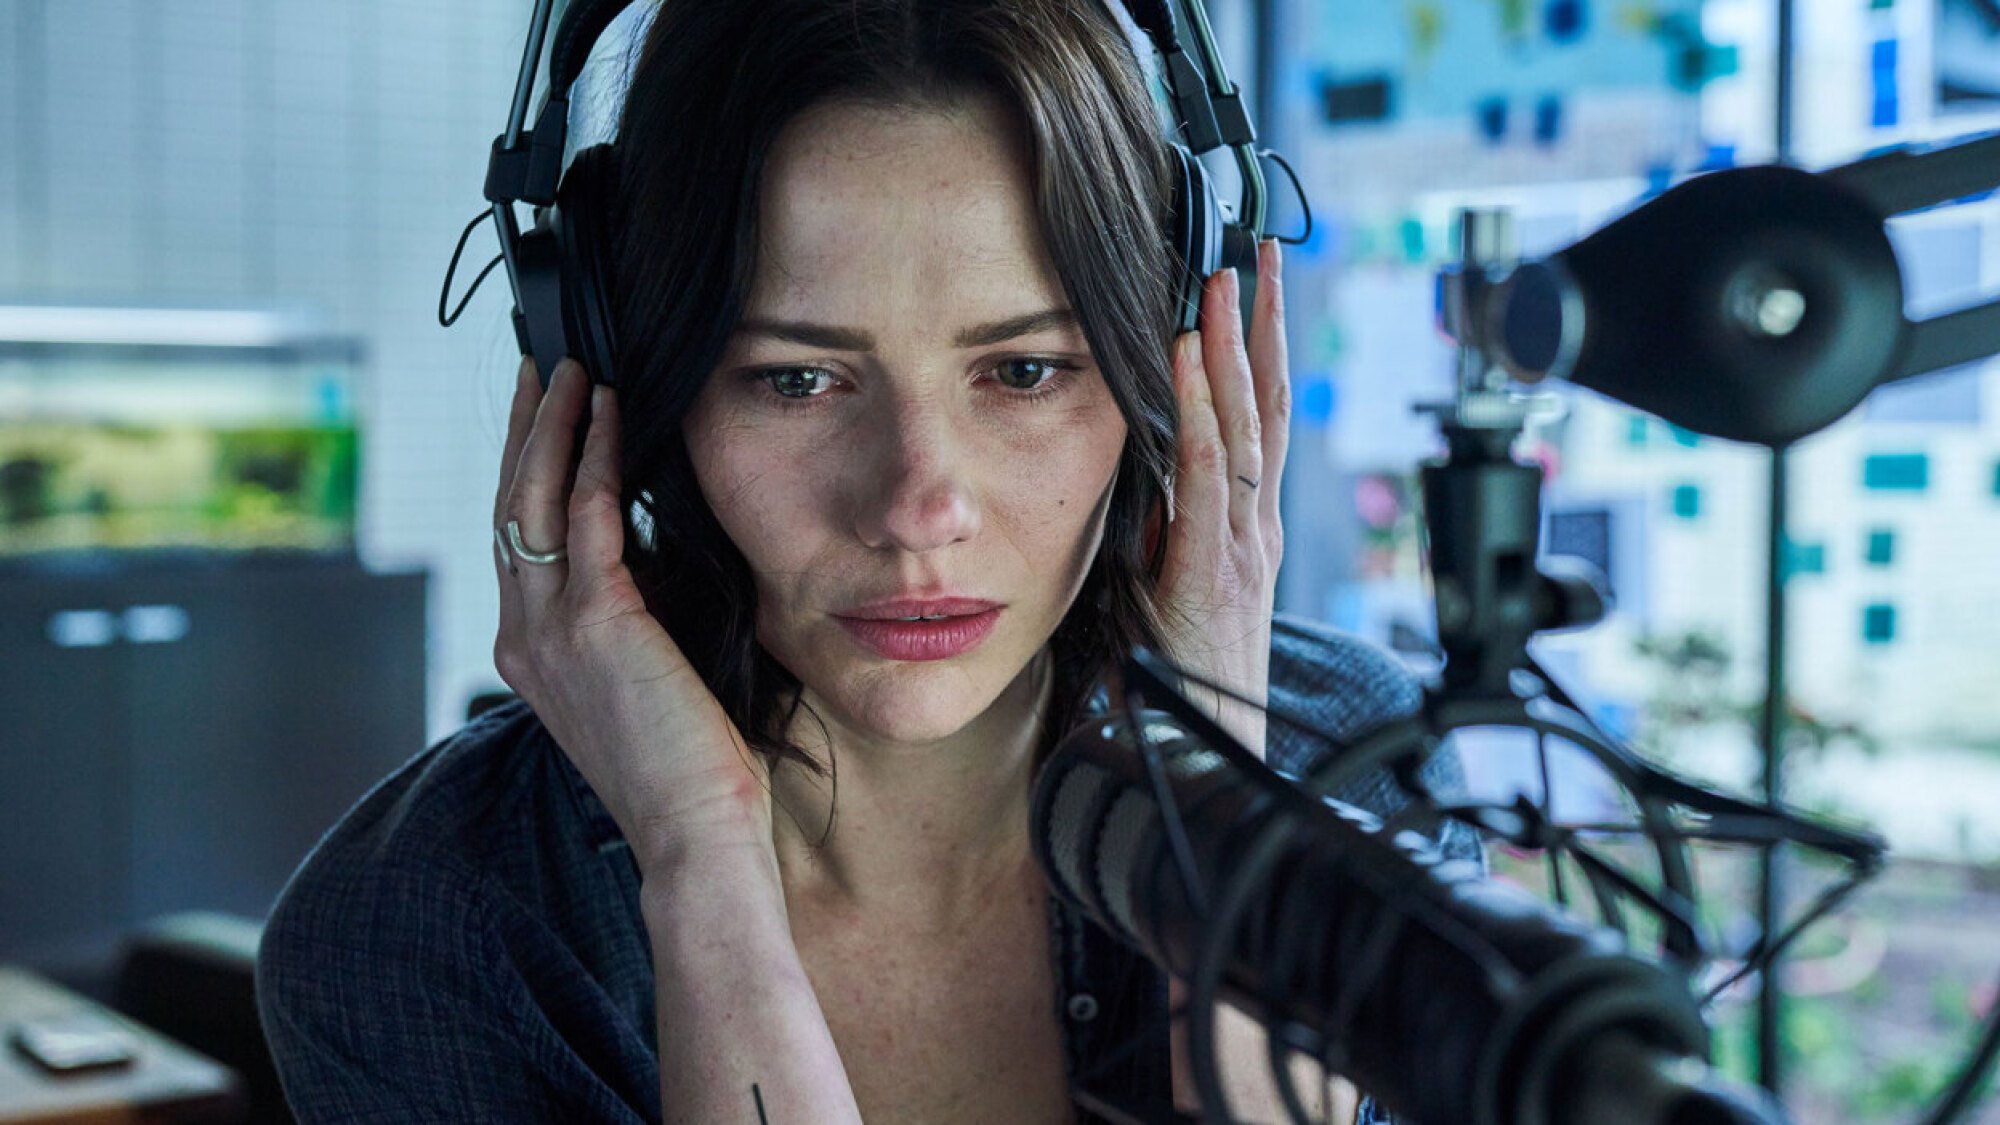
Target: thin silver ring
(522, 552)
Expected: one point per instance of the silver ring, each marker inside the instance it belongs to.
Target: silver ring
(522, 552)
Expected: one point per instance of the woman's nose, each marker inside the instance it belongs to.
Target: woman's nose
(915, 491)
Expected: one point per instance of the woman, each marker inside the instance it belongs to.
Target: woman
(892, 296)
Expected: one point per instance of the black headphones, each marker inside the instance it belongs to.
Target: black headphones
(558, 268)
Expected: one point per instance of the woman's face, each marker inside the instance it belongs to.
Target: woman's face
(909, 409)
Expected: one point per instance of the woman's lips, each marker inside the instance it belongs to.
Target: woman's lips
(922, 640)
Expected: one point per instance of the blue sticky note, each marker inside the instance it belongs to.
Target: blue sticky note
(1564, 20)
(1313, 399)
(1492, 113)
(1548, 119)
(1323, 240)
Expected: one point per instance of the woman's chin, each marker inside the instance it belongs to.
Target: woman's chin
(915, 704)
(924, 711)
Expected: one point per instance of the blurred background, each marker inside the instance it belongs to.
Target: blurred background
(246, 480)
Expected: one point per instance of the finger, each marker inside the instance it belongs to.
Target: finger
(1201, 498)
(1228, 365)
(596, 524)
(520, 418)
(539, 498)
(1271, 367)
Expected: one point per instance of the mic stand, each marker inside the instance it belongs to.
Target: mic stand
(1482, 515)
(1482, 519)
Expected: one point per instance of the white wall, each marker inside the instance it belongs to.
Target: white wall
(326, 152)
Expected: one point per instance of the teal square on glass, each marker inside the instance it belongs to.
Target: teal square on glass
(1687, 501)
(1896, 472)
(1881, 547)
(1806, 558)
(1878, 623)
(1638, 428)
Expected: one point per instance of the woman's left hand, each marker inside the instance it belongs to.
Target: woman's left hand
(1225, 541)
(1217, 587)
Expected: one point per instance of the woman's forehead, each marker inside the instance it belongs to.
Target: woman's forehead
(863, 202)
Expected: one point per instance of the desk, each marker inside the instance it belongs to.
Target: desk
(168, 1082)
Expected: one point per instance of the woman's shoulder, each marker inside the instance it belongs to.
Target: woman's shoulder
(449, 802)
(426, 959)
(1343, 685)
(1341, 688)
(447, 828)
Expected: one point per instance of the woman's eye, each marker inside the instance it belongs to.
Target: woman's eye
(794, 382)
(1026, 374)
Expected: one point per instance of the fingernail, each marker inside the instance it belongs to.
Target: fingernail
(1234, 286)
(1190, 350)
(568, 369)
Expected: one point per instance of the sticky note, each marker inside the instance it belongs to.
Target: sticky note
(1548, 119)
(1563, 20)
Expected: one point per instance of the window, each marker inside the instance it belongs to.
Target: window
(1878, 624)
(1881, 547)
(1896, 472)
(1807, 558)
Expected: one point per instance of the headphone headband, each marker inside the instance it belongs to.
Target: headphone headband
(1209, 107)
(556, 273)
(584, 21)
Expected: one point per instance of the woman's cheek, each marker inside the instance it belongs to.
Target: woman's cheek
(1065, 471)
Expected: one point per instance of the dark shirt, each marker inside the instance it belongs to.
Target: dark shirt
(467, 945)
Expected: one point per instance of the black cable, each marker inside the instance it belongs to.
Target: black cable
(1163, 796)
(444, 294)
(1305, 205)
(1759, 957)
(1957, 1098)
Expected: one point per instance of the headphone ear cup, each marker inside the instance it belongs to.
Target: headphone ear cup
(581, 206)
(538, 262)
(1195, 229)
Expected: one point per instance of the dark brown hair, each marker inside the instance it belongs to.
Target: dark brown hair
(714, 83)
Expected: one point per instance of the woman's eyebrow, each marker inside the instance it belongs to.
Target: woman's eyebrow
(853, 340)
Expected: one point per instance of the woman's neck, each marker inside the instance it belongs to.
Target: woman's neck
(921, 837)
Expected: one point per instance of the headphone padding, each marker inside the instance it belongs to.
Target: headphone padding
(586, 288)
(1195, 229)
(538, 258)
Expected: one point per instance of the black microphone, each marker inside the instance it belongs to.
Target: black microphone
(1451, 999)
(1757, 304)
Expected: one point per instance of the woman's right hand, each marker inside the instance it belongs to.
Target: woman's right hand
(578, 644)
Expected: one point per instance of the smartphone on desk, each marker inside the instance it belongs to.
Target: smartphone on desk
(75, 1042)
